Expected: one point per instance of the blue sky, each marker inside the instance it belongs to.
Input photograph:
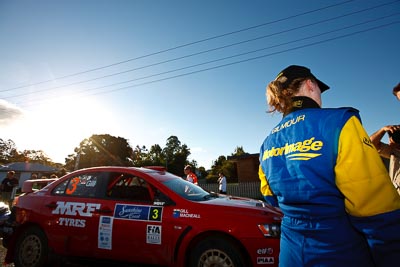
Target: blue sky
(146, 70)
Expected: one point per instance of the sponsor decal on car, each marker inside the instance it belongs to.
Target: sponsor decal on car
(70, 222)
(105, 232)
(153, 235)
(74, 209)
(183, 213)
(265, 251)
(265, 260)
(138, 213)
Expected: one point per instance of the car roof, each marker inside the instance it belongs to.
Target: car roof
(157, 172)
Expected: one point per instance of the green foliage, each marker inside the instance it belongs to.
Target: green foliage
(9, 153)
(101, 150)
(176, 155)
(225, 166)
(37, 156)
(202, 173)
(107, 150)
(239, 151)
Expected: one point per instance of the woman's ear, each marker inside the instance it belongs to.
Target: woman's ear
(310, 85)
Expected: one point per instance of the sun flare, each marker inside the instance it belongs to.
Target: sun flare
(58, 127)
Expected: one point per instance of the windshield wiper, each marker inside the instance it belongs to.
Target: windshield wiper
(210, 195)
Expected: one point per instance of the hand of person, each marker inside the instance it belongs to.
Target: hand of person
(391, 128)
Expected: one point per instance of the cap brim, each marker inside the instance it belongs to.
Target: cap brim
(322, 86)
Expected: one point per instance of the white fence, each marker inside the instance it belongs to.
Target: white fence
(249, 189)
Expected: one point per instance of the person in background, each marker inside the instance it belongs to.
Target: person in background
(396, 91)
(390, 151)
(190, 176)
(320, 168)
(221, 183)
(9, 186)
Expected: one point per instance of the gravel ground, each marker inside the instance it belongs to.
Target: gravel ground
(3, 252)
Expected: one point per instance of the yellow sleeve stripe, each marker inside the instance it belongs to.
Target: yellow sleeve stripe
(360, 174)
(264, 187)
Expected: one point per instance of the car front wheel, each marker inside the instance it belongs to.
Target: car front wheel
(31, 248)
(216, 252)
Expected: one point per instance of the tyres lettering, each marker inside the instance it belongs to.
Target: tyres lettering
(74, 209)
(71, 222)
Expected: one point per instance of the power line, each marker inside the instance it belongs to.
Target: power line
(181, 46)
(262, 56)
(246, 53)
(253, 58)
(203, 52)
(258, 57)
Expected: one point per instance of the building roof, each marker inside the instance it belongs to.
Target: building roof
(26, 167)
(244, 156)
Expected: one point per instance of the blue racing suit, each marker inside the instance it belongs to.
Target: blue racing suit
(340, 207)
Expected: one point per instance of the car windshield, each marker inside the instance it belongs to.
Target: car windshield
(187, 190)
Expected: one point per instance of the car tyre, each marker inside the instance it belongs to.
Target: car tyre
(31, 248)
(216, 251)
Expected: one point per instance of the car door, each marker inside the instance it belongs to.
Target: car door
(74, 207)
(136, 231)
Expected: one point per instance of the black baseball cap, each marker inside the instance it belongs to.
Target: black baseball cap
(294, 72)
(395, 136)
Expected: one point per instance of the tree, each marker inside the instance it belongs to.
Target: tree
(139, 155)
(36, 156)
(8, 151)
(175, 155)
(107, 150)
(221, 165)
(155, 155)
(225, 166)
(239, 151)
(101, 150)
(203, 172)
(143, 157)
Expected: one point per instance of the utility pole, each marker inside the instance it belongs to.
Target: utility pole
(78, 157)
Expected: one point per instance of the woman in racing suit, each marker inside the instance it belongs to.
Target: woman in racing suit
(320, 167)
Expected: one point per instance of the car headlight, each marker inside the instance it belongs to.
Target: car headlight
(270, 230)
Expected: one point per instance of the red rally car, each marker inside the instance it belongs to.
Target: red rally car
(142, 216)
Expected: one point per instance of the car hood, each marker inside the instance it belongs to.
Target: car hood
(237, 202)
